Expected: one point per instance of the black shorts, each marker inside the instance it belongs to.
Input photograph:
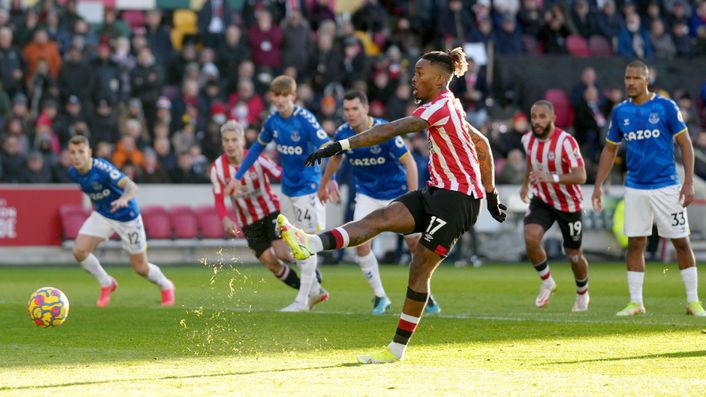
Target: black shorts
(541, 213)
(260, 234)
(441, 215)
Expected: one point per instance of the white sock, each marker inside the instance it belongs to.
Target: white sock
(397, 349)
(635, 281)
(93, 266)
(307, 279)
(155, 275)
(691, 282)
(371, 271)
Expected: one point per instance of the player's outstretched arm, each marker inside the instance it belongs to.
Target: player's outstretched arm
(250, 158)
(686, 196)
(610, 151)
(129, 192)
(373, 136)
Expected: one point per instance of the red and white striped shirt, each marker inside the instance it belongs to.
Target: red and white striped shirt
(453, 162)
(258, 201)
(556, 155)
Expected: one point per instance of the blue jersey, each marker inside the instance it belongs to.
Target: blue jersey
(378, 171)
(100, 183)
(296, 137)
(648, 131)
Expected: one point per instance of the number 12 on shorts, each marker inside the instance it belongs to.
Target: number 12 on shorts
(431, 229)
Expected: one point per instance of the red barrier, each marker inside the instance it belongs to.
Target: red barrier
(29, 215)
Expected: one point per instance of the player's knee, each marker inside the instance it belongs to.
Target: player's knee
(574, 256)
(532, 240)
(636, 244)
(80, 253)
(140, 267)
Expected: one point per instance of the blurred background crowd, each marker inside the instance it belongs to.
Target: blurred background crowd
(150, 88)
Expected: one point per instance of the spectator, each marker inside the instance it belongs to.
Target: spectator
(177, 67)
(127, 151)
(199, 162)
(56, 31)
(325, 66)
(70, 15)
(184, 172)
(60, 170)
(232, 53)
(10, 63)
(158, 37)
(245, 105)
(662, 43)
(83, 37)
(608, 21)
(555, 31)
(582, 21)
(163, 123)
(319, 12)
(12, 160)
(355, 63)
(614, 96)
(152, 171)
(682, 40)
(76, 77)
(41, 48)
(26, 30)
(700, 155)
(371, 18)
(455, 23)
(654, 13)
(590, 123)
(679, 13)
(146, 81)
(21, 111)
(35, 171)
(508, 40)
(633, 41)
(163, 149)
(213, 18)
(265, 42)
(210, 94)
(514, 169)
(484, 34)
(698, 20)
(72, 114)
(103, 124)
(45, 139)
(588, 79)
(15, 127)
(112, 27)
(507, 8)
(126, 62)
(530, 18)
(512, 139)
(297, 43)
(396, 107)
(107, 83)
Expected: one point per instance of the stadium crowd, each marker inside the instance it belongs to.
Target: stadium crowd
(152, 104)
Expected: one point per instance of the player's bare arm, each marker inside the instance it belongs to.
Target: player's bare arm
(412, 173)
(686, 195)
(485, 159)
(576, 176)
(373, 136)
(328, 189)
(129, 192)
(610, 151)
(524, 190)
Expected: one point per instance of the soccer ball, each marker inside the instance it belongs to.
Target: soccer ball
(48, 307)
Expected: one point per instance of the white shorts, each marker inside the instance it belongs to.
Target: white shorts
(307, 212)
(643, 207)
(365, 204)
(132, 233)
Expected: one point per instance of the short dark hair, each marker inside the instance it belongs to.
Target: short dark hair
(637, 64)
(351, 95)
(544, 102)
(78, 140)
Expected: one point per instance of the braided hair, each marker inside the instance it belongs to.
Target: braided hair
(452, 61)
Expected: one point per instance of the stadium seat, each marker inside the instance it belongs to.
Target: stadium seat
(209, 223)
(534, 46)
(72, 217)
(600, 46)
(185, 23)
(158, 224)
(577, 46)
(562, 107)
(184, 222)
(133, 18)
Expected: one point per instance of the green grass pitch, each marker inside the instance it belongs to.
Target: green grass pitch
(225, 336)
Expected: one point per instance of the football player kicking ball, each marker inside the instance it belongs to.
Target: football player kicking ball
(114, 210)
(649, 125)
(555, 169)
(256, 206)
(382, 173)
(297, 134)
(461, 174)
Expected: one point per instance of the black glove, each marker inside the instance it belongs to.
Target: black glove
(324, 152)
(496, 209)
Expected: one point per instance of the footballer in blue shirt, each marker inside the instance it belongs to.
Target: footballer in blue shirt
(382, 173)
(297, 133)
(649, 125)
(114, 210)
